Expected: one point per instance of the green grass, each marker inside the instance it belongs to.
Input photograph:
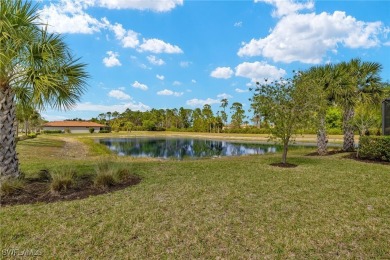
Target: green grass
(238, 207)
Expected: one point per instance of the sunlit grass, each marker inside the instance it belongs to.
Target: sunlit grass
(235, 208)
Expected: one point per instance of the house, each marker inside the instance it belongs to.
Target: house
(72, 126)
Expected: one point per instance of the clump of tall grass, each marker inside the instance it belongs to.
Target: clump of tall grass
(104, 174)
(11, 186)
(108, 175)
(62, 180)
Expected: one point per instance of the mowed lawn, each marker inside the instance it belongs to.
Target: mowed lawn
(233, 208)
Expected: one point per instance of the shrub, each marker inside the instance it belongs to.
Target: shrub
(32, 135)
(11, 186)
(121, 174)
(63, 180)
(374, 148)
(91, 130)
(104, 179)
(104, 131)
(52, 131)
(67, 131)
(44, 175)
(104, 174)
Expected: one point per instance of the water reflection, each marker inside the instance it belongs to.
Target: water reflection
(182, 147)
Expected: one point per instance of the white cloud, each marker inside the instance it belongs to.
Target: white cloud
(87, 106)
(256, 71)
(167, 92)
(128, 38)
(176, 83)
(153, 5)
(158, 46)
(193, 81)
(238, 90)
(69, 17)
(224, 95)
(112, 59)
(201, 102)
(119, 94)
(309, 37)
(185, 64)
(286, 7)
(222, 73)
(160, 77)
(141, 86)
(238, 24)
(155, 61)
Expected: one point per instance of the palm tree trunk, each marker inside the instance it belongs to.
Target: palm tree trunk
(322, 140)
(9, 165)
(349, 138)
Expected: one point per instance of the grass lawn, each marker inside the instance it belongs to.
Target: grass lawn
(233, 207)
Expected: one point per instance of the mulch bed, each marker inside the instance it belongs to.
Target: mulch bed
(284, 165)
(350, 155)
(36, 190)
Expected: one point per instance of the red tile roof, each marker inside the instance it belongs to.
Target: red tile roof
(73, 123)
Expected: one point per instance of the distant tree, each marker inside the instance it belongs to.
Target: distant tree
(224, 104)
(286, 106)
(238, 114)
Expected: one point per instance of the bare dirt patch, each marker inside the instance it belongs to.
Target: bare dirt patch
(74, 148)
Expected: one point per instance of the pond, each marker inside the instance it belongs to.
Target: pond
(181, 148)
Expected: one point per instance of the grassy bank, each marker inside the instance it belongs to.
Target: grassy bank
(236, 207)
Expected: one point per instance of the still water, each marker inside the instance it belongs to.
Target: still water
(180, 148)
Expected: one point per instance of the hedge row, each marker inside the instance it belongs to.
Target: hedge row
(375, 148)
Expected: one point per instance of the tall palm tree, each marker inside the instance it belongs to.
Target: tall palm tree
(321, 79)
(36, 67)
(361, 83)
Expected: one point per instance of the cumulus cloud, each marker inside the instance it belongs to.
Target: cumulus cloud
(69, 16)
(155, 61)
(287, 7)
(238, 90)
(309, 37)
(193, 81)
(167, 92)
(222, 73)
(141, 86)
(176, 83)
(119, 94)
(134, 106)
(201, 102)
(160, 77)
(158, 46)
(153, 5)
(112, 59)
(128, 38)
(256, 71)
(224, 95)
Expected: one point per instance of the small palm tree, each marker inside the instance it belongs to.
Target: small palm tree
(361, 83)
(36, 67)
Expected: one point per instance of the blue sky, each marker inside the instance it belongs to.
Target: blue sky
(168, 54)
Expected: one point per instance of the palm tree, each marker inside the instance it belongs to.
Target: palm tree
(321, 79)
(36, 67)
(224, 104)
(361, 83)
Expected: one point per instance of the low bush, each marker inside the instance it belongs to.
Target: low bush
(91, 130)
(11, 186)
(104, 179)
(44, 175)
(104, 131)
(62, 180)
(52, 131)
(374, 148)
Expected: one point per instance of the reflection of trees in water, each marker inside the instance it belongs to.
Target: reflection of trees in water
(182, 148)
